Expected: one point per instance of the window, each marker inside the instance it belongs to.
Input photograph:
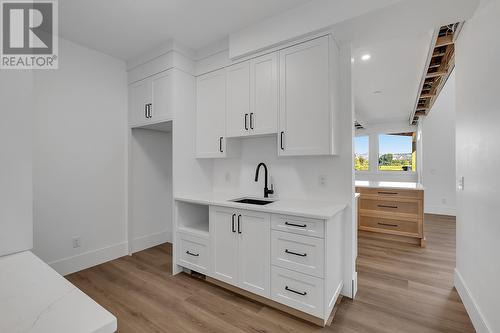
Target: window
(397, 152)
(361, 153)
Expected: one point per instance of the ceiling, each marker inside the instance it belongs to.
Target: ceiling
(127, 28)
(386, 85)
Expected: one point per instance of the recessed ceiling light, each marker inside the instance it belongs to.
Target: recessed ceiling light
(366, 57)
(352, 60)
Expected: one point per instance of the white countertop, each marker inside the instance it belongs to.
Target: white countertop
(306, 208)
(36, 299)
(394, 185)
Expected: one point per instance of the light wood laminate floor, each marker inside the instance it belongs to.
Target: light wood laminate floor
(402, 288)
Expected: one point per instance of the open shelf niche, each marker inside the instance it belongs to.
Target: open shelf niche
(192, 218)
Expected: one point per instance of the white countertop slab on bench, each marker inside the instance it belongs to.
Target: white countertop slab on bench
(36, 299)
(386, 184)
(315, 209)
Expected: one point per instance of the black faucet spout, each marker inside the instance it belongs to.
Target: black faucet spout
(266, 190)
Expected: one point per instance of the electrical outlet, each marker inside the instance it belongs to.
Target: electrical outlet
(322, 180)
(76, 242)
(461, 183)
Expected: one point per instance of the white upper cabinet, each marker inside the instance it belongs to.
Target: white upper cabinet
(140, 99)
(162, 91)
(306, 99)
(264, 94)
(151, 100)
(252, 97)
(211, 115)
(238, 99)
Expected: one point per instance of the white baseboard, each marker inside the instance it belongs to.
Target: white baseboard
(470, 305)
(145, 242)
(88, 259)
(440, 210)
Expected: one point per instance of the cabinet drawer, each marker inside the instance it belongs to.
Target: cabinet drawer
(296, 290)
(298, 225)
(406, 207)
(389, 225)
(391, 193)
(193, 252)
(299, 253)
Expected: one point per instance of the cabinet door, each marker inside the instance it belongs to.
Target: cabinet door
(211, 115)
(305, 99)
(223, 245)
(254, 253)
(264, 94)
(162, 97)
(140, 97)
(238, 99)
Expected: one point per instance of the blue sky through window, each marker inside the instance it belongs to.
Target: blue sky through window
(361, 145)
(395, 144)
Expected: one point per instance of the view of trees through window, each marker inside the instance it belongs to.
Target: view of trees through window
(397, 152)
(361, 155)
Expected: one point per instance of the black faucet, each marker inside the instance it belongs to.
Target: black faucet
(266, 190)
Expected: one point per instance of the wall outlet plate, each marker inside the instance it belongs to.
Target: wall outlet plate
(76, 242)
(322, 180)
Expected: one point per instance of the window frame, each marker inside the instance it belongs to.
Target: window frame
(373, 154)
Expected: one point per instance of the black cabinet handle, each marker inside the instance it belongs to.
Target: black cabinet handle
(390, 193)
(146, 111)
(193, 254)
(233, 227)
(281, 140)
(387, 206)
(220, 145)
(251, 120)
(150, 110)
(296, 225)
(246, 120)
(296, 254)
(295, 291)
(388, 224)
(239, 224)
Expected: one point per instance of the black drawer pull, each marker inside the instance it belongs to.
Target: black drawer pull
(295, 291)
(296, 254)
(296, 225)
(390, 193)
(246, 120)
(281, 140)
(239, 224)
(388, 224)
(220, 145)
(233, 227)
(387, 206)
(193, 254)
(251, 120)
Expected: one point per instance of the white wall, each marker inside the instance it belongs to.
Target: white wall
(438, 174)
(16, 194)
(478, 159)
(80, 159)
(151, 188)
(373, 131)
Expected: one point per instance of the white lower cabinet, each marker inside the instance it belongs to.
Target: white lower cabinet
(193, 252)
(291, 260)
(299, 253)
(240, 248)
(299, 291)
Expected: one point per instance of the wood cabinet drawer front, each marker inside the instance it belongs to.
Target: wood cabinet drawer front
(298, 225)
(299, 291)
(388, 224)
(410, 207)
(193, 252)
(297, 252)
(388, 192)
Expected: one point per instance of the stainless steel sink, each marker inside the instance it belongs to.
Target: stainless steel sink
(253, 201)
